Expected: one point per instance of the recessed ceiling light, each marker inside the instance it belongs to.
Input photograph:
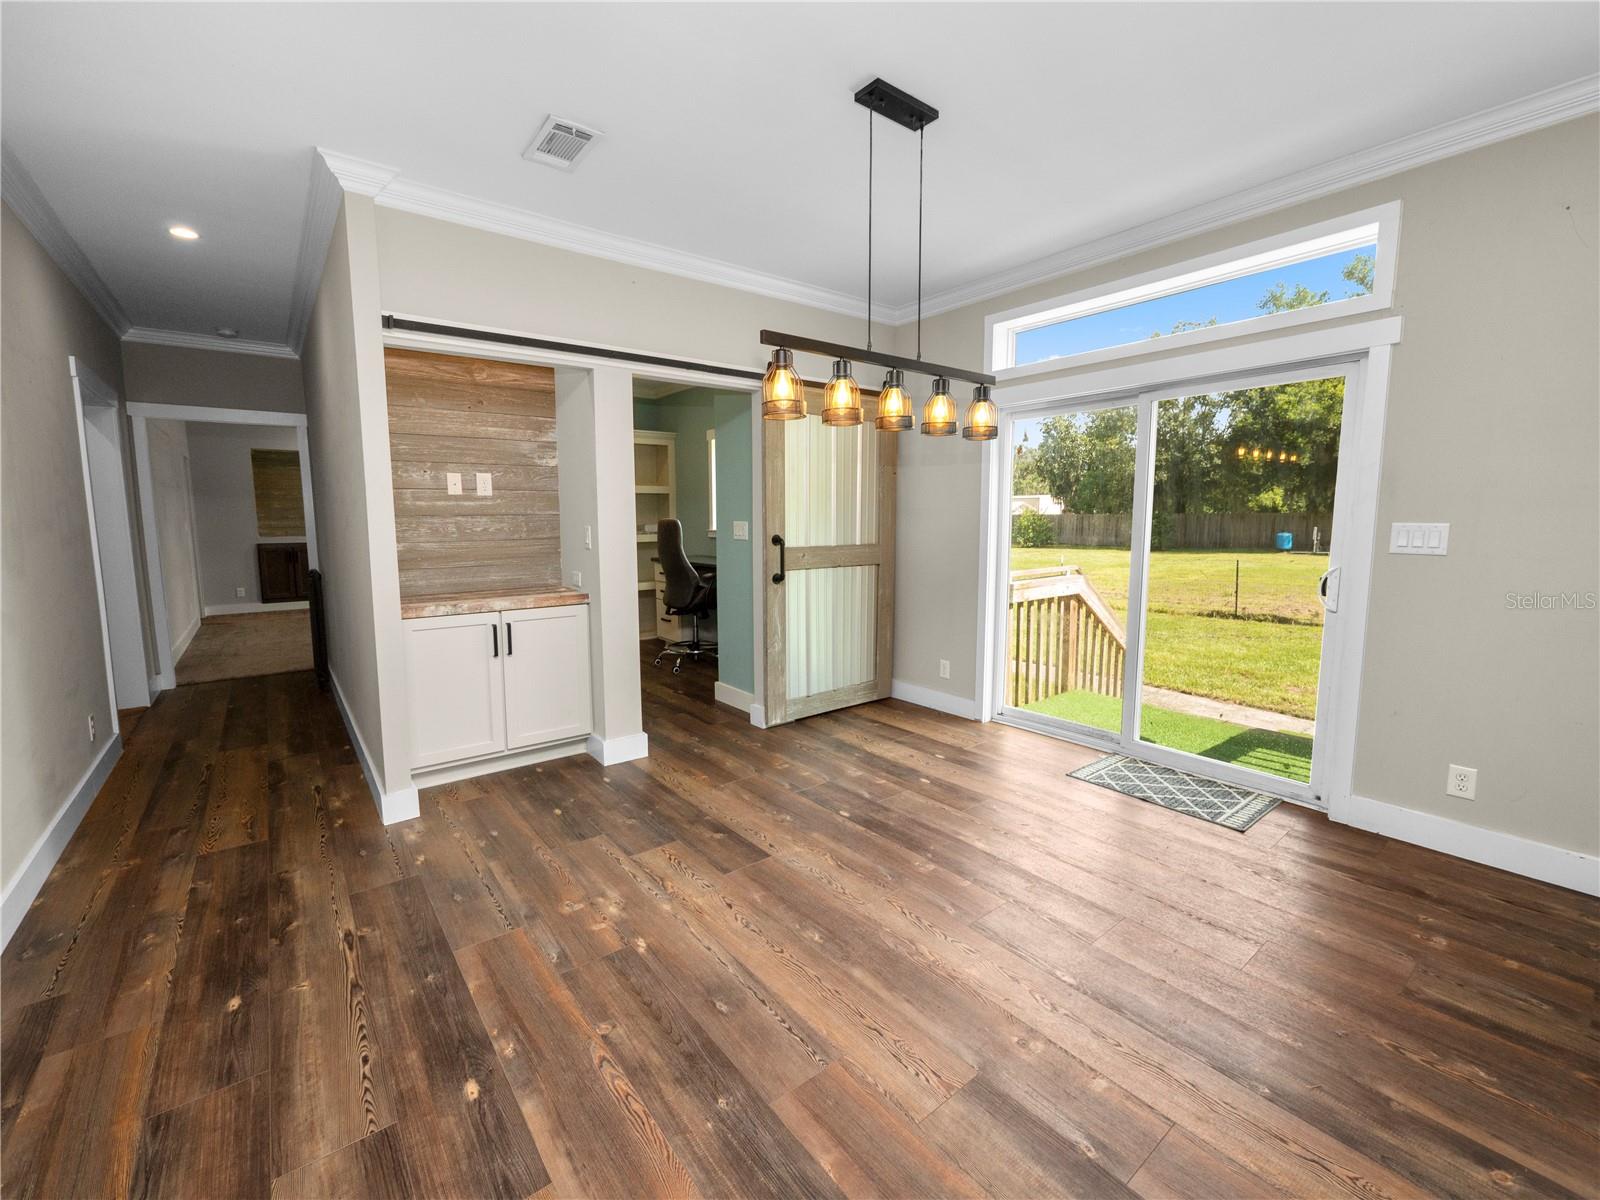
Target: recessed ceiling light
(183, 233)
(224, 331)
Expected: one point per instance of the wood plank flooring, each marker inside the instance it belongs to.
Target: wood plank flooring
(877, 953)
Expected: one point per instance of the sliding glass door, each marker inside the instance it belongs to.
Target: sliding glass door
(1173, 570)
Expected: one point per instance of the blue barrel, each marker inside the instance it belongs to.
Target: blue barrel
(1285, 541)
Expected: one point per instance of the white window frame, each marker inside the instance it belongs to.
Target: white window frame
(1380, 225)
(711, 478)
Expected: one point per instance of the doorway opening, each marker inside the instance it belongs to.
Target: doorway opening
(1171, 573)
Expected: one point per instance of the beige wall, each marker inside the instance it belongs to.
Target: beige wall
(54, 676)
(347, 426)
(1492, 426)
(211, 378)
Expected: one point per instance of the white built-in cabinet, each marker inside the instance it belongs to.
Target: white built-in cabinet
(492, 683)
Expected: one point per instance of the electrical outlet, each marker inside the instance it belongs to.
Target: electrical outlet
(91, 727)
(485, 484)
(944, 668)
(1462, 782)
(588, 537)
(239, 593)
(577, 579)
(452, 483)
(741, 531)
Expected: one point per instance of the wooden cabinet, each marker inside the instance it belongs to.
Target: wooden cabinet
(283, 571)
(456, 679)
(490, 683)
(546, 675)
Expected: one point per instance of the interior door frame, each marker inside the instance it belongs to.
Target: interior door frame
(778, 707)
(1362, 351)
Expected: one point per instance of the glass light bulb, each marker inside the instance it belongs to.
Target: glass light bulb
(939, 414)
(894, 406)
(983, 421)
(841, 399)
(783, 393)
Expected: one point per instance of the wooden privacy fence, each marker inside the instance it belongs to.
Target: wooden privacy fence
(1197, 531)
(1061, 637)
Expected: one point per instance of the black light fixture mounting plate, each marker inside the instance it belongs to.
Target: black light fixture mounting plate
(900, 107)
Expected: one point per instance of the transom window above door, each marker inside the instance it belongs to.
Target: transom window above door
(1319, 272)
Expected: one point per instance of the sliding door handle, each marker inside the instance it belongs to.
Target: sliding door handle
(494, 633)
(777, 540)
(1328, 589)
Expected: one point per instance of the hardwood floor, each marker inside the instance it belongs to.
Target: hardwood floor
(877, 953)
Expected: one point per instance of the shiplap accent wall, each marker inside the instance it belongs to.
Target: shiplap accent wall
(449, 413)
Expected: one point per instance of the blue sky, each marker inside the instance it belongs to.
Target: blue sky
(1233, 300)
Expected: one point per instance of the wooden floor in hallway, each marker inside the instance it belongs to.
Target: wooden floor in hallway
(881, 952)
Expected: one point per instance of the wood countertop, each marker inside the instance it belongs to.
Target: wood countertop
(458, 603)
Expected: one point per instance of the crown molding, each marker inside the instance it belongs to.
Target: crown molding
(581, 239)
(1564, 103)
(389, 189)
(206, 341)
(25, 199)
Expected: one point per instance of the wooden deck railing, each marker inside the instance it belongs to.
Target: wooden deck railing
(1062, 637)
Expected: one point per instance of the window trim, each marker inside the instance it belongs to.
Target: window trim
(1380, 224)
(711, 478)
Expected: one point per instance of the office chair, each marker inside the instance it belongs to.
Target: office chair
(688, 593)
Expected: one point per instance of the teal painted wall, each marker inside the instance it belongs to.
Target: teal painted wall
(689, 414)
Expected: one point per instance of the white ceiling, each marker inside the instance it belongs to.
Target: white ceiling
(730, 129)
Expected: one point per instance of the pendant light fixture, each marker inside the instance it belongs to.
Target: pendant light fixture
(894, 406)
(983, 423)
(841, 399)
(783, 391)
(939, 414)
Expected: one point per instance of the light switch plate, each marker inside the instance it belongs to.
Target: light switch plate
(452, 483)
(485, 484)
(741, 531)
(1414, 538)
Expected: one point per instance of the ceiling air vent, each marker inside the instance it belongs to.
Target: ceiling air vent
(560, 143)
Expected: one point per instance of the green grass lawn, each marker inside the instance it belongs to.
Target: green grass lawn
(1268, 661)
(1286, 755)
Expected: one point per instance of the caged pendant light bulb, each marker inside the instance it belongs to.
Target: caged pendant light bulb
(841, 399)
(939, 414)
(983, 423)
(894, 406)
(783, 395)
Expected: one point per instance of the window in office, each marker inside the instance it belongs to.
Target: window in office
(711, 478)
(1329, 270)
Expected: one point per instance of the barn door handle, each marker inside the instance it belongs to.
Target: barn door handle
(777, 540)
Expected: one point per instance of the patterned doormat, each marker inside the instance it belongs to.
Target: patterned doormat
(1220, 803)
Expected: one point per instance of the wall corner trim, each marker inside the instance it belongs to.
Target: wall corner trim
(726, 693)
(399, 805)
(1521, 856)
(926, 697)
(610, 751)
(35, 869)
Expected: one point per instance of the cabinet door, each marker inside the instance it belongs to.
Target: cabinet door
(456, 684)
(547, 675)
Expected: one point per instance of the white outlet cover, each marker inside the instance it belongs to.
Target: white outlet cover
(452, 483)
(485, 484)
(741, 531)
(1411, 537)
(1461, 782)
(944, 668)
(239, 592)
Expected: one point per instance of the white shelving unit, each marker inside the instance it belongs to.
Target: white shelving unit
(655, 496)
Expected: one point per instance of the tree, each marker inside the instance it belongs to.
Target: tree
(1026, 479)
(1359, 272)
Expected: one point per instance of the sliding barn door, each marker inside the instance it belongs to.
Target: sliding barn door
(829, 544)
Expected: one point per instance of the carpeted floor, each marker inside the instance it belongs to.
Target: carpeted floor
(241, 644)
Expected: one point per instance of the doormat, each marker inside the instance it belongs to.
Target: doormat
(1220, 803)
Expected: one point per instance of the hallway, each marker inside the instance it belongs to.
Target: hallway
(879, 952)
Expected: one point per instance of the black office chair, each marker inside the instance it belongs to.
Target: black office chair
(688, 593)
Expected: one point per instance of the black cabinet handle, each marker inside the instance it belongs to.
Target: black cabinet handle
(508, 639)
(777, 540)
(494, 632)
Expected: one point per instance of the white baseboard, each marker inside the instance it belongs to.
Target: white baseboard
(181, 643)
(399, 804)
(427, 777)
(35, 868)
(726, 693)
(227, 610)
(1521, 856)
(758, 715)
(915, 693)
(610, 751)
